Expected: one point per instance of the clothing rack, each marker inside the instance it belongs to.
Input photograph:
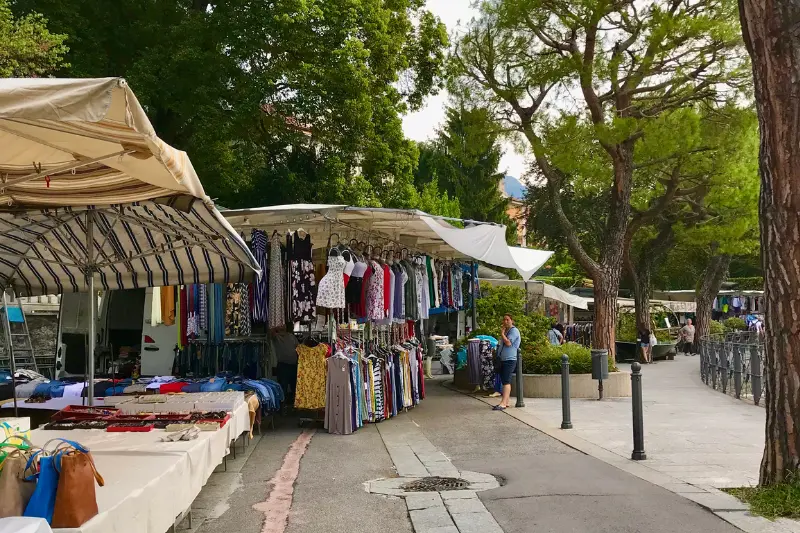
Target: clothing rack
(580, 332)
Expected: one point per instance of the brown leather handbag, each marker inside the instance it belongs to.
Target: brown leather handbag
(76, 500)
(14, 490)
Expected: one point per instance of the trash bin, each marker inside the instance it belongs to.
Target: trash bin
(600, 364)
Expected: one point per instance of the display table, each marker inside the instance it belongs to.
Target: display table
(148, 483)
(53, 404)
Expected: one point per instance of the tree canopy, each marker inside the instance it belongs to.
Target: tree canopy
(27, 48)
(587, 84)
(273, 101)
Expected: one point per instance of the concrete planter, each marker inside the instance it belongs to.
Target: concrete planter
(618, 385)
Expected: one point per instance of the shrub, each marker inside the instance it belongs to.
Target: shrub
(716, 328)
(735, 324)
(496, 302)
(626, 328)
(547, 359)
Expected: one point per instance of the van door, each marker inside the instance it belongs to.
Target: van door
(73, 334)
(158, 342)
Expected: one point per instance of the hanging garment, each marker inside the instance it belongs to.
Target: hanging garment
(339, 397)
(330, 292)
(474, 363)
(168, 305)
(155, 307)
(375, 293)
(260, 304)
(310, 392)
(277, 309)
(487, 365)
(303, 295)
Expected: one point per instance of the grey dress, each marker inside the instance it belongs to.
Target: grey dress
(338, 397)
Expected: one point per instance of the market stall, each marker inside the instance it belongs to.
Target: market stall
(91, 198)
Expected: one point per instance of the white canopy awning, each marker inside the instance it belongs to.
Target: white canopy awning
(410, 228)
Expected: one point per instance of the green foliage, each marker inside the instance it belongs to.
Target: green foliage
(775, 501)
(497, 301)
(463, 161)
(558, 281)
(748, 284)
(275, 102)
(27, 48)
(626, 328)
(716, 328)
(547, 360)
(734, 324)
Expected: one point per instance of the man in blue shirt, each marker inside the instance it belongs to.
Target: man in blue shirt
(508, 351)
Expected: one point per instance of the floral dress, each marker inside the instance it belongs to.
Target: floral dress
(330, 292)
(310, 391)
(303, 282)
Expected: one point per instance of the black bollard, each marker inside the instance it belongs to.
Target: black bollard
(638, 416)
(520, 392)
(566, 419)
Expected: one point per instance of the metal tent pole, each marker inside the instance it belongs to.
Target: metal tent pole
(520, 391)
(92, 303)
(474, 296)
(11, 355)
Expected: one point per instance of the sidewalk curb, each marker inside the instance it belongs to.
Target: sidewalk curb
(723, 505)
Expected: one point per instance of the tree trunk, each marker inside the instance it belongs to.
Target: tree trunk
(770, 33)
(604, 327)
(641, 298)
(714, 275)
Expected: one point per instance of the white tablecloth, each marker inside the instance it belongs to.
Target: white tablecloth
(53, 404)
(149, 483)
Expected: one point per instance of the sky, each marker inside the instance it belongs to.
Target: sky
(422, 125)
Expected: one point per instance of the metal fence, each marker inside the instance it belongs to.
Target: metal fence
(733, 363)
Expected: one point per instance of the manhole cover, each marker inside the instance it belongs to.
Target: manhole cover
(436, 484)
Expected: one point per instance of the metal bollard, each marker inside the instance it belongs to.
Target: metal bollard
(702, 346)
(566, 419)
(520, 392)
(638, 415)
(755, 373)
(715, 351)
(723, 368)
(737, 371)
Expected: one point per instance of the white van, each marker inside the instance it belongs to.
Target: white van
(123, 320)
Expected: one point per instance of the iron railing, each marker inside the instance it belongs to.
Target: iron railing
(733, 363)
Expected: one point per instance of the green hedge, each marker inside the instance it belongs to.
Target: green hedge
(547, 359)
(735, 324)
(748, 284)
(715, 327)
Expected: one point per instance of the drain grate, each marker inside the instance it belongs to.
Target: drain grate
(436, 484)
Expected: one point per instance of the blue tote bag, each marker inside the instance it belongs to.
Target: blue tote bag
(43, 501)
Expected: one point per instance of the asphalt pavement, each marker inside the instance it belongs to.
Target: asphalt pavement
(546, 486)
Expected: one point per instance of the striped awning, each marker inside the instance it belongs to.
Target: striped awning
(87, 186)
(174, 241)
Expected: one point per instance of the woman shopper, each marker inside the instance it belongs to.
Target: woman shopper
(508, 352)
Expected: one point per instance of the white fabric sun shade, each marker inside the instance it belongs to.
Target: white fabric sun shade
(81, 162)
(404, 227)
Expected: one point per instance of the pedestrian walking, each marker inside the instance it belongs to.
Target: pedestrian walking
(508, 352)
(687, 338)
(645, 349)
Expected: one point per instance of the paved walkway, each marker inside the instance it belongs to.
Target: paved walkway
(521, 481)
(692, 433)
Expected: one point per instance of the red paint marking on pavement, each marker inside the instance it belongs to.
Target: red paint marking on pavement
(277, 505)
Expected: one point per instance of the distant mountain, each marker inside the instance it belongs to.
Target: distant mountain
(513, 188)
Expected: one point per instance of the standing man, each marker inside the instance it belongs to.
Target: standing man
(508, 351)
(687, 336)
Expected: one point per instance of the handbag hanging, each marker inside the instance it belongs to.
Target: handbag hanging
(43, 499)
(76, 499)
(15, 491)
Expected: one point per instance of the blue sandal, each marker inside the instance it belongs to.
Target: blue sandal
(498, 408)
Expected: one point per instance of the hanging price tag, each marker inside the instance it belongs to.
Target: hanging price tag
(47, 181)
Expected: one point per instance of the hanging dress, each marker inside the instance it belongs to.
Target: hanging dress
(260, 303)
(303, 282)
(330, 292)
(311, 385)
(276, 306)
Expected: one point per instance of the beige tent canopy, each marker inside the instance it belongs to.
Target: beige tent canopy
(89, 194)
(398, 228)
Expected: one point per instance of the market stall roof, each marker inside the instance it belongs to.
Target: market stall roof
(676, 306)
(88, 186)
(408, 228)
(548, 291)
